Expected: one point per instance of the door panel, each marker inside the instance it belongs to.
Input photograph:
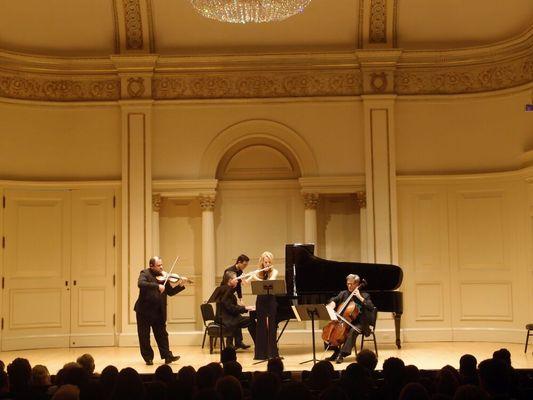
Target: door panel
(36, 298)
(93, 261)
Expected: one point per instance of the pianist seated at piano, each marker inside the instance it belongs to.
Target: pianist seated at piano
(229, 313)
(361, 323)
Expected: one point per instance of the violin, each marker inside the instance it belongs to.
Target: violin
(172, 278)
(336, 332)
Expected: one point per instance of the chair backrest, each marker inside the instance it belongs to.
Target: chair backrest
(208, 314)
(373, 318)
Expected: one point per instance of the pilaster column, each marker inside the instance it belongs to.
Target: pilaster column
(311, 201)
(360, 200)
(207, 203)
(156, 207)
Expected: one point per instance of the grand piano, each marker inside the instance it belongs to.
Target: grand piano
(311, 280)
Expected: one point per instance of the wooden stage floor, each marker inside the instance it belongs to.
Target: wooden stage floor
(431, 355)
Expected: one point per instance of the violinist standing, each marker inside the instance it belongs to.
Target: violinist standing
(151, 311)
(361, 322)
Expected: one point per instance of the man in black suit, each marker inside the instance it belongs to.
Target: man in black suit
(361, 323)
(229, 313)
(151, 311)
(238, 268)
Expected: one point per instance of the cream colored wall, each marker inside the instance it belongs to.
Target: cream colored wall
(183, 131)
(39, 142)
(461, 135)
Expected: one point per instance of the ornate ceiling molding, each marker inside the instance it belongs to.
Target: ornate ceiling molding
(483, 69)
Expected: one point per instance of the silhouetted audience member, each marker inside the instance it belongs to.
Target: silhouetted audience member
(233, 368)
(4, 385)
(108, 379)
(265, 386)
(228, 354)
(207, 394)
(229, 388)
(412, 374)
(275, 365)
(447, 381)
(19, 372)
(164, 374)
(185, 383)
(468, 370)
(333, 393)
(129, 386)
(294, 391)
(494, 377)
(206, 377)
(217, 369)
(367, 358)
(87, 363)
(67, 392)
(74, 374)
(503, 355)
(40, 381)
(2, 366)
(414, 391)
(393, 378)
(156, 390)
(470, 392)
(321, 375)
(356, 382)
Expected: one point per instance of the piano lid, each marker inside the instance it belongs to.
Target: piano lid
(309, 274)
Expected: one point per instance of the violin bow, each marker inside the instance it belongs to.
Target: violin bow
(171, 268)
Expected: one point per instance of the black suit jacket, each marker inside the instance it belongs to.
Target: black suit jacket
(238, 271)
(151, 303)
(228, 311)
(366, 316)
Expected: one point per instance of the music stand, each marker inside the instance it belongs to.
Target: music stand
(274, 287)
(312, 312)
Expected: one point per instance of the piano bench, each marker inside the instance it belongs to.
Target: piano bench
(529, 328)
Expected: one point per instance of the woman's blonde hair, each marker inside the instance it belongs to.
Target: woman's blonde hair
(266, 254)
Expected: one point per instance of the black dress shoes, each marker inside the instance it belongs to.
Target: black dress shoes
(339, 359)
(149, 362)
(171, 359)
(242, 346)
(333, 357)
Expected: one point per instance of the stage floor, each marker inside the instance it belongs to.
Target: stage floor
(432, 355)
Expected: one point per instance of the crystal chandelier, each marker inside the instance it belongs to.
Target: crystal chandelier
(246, 11)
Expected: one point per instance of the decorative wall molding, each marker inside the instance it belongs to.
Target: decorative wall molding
(463, 71)
(208, 85)
(40, 87)
(378, 21)
(133, 22)
(332, 184)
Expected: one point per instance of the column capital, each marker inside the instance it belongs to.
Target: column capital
(311, 200)
(207, 203)
(156, 202)
(360, 199)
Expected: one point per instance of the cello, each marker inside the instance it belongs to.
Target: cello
(336, 332)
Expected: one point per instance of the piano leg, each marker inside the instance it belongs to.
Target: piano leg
(397, 320)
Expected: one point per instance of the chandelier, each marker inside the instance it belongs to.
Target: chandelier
(246, 11)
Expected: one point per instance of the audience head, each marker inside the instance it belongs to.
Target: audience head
(217, 369)
(19, 372)
(67, 392)
(447, 380)
(108, 378)
(367, 358)
(164, 374)
(494, 377)
(40, 376)
(321, 375)
(74, 374)
(411, 374)
(468, 369)
(393, 370)
(233, 368)
(414, 391)
(265, 386)
(503, 355)
(228, 354)
(206, 377)
(275, 365)
(2, 366)
(87, 363)
(4, 382)
(129, 386)
(229, 388)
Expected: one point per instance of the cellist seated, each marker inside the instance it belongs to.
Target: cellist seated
(359, 324)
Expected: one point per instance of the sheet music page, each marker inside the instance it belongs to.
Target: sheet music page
(331, 313)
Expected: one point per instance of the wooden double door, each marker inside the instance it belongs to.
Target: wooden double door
(58, 268)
